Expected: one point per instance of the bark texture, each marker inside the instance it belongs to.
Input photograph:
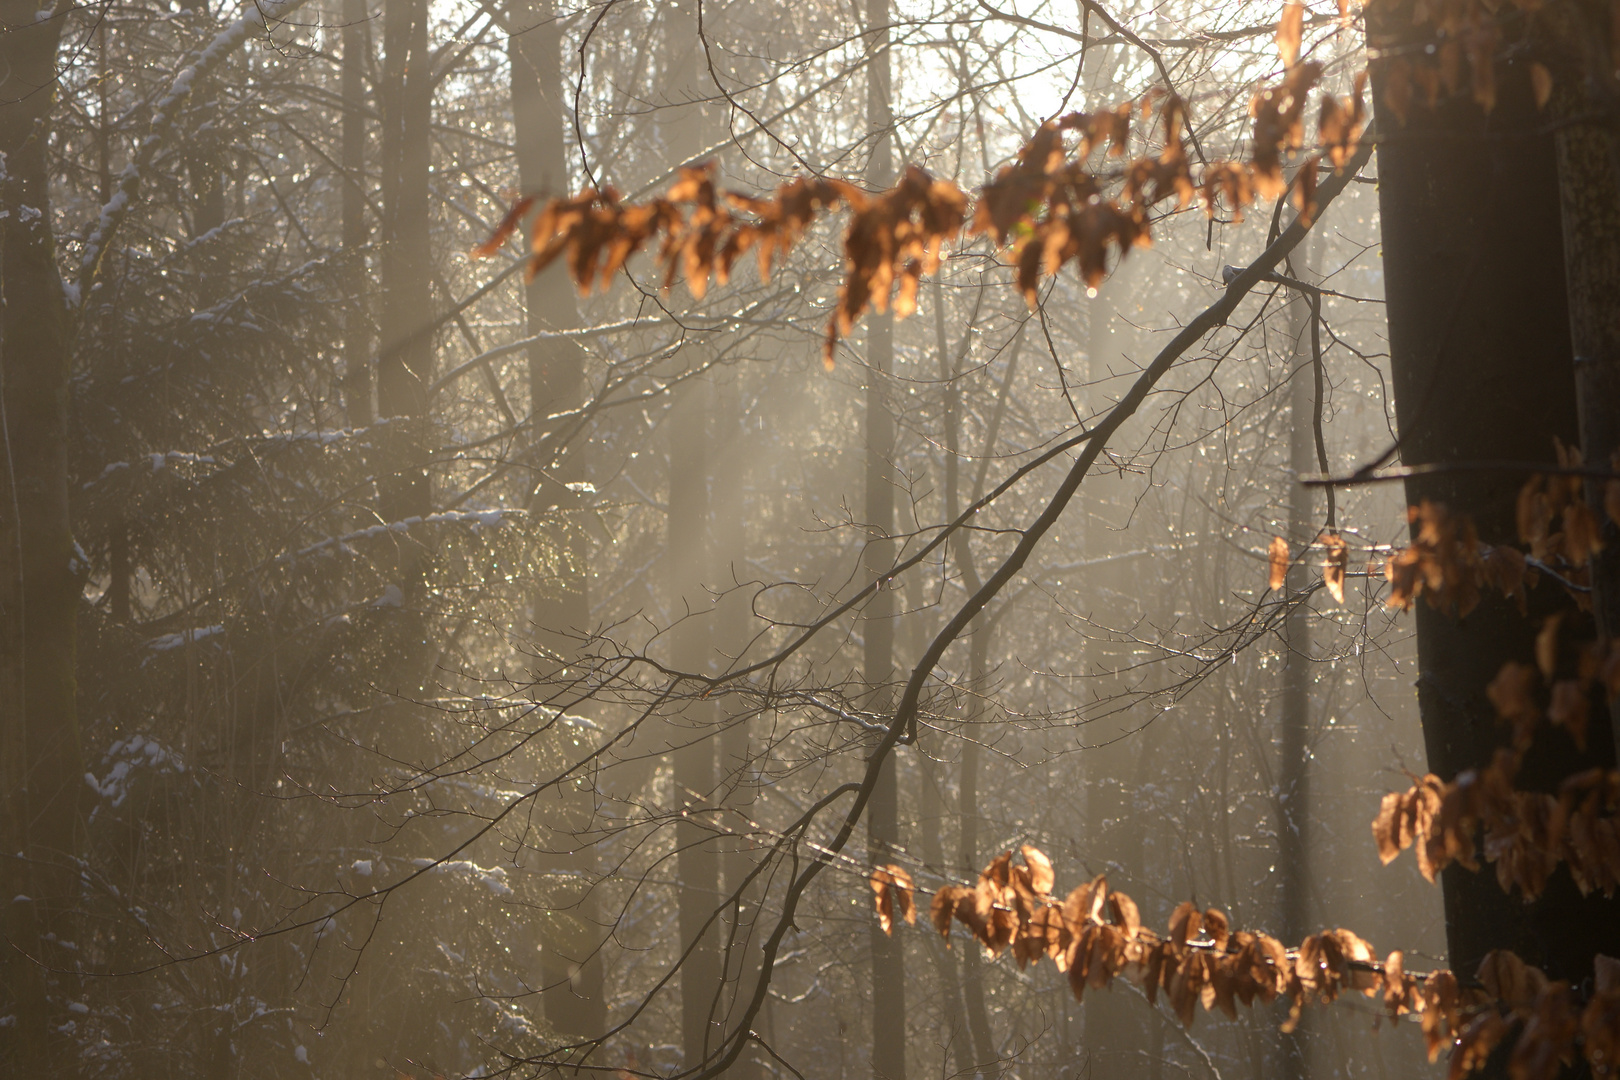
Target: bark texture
(40, 570)
(1480, 345)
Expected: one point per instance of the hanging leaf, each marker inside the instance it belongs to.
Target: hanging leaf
(1040, 869)
(504, 231)
(1541, 83)
(892, 896)
(1290, 30)
(1338, 559)
(1277, 557)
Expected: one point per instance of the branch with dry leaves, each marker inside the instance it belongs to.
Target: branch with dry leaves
(1095, 935)
(1050, 206)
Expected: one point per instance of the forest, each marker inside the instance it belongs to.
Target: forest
(844, 540)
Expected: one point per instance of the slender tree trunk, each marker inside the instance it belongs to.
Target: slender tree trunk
(1293, 773)
(571, 965)
(883, 822)
(733, 625)
(40, 575)
(405, 362)
(968, 852)
(1481, 363)
(976, 1015)
(1116, 1028)
(202, 159)
(698, 862)
(357, 388)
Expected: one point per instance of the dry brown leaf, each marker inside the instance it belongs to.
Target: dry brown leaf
(1040, 869)
(1277, 558)
(1541, 82)
(1290, 29)
(503, 231)
(1547, 646)
(1338, 560)
(892, 896)
(944, 907)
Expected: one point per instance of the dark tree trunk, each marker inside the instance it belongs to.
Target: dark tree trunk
(40, 575)
(1589, 191)
(357, 387)
(1481, 361)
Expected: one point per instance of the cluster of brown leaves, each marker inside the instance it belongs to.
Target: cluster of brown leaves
(1465, 30)
(1571, 670)
(1547, 1019)
(1095, 934)
(1524, 833)
(1555, 520)
(892, 891)
(1448, 563)
(1335, 563)
(1049, 204)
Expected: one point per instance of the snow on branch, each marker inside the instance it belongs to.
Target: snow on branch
(478, 519)
(259, 15)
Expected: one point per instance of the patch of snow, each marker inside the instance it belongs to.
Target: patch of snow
(361, 867)
(125, 757)
(300, 1055)
(166, 642)
(492, 878)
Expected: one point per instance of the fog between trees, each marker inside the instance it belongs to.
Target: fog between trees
(414, 671)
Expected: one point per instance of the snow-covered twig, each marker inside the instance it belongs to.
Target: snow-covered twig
(259, 15)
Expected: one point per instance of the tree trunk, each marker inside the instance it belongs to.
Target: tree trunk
(883, 821)
(1480, 357)
(737, 777)
(1293, 773)
(571, 964)
(698, 862)
(405, 362)
(357, 388)
(1589, 193)
(40, 573)
(1116, 1027)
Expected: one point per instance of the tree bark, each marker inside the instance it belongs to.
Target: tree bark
(357, 386)
(405, 361)
(40, 571)
(1115, 1026)
(883, 822)
(698, 861)
(1293, 773)
(1480, 355)
(1589, 195)
(571, 963)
